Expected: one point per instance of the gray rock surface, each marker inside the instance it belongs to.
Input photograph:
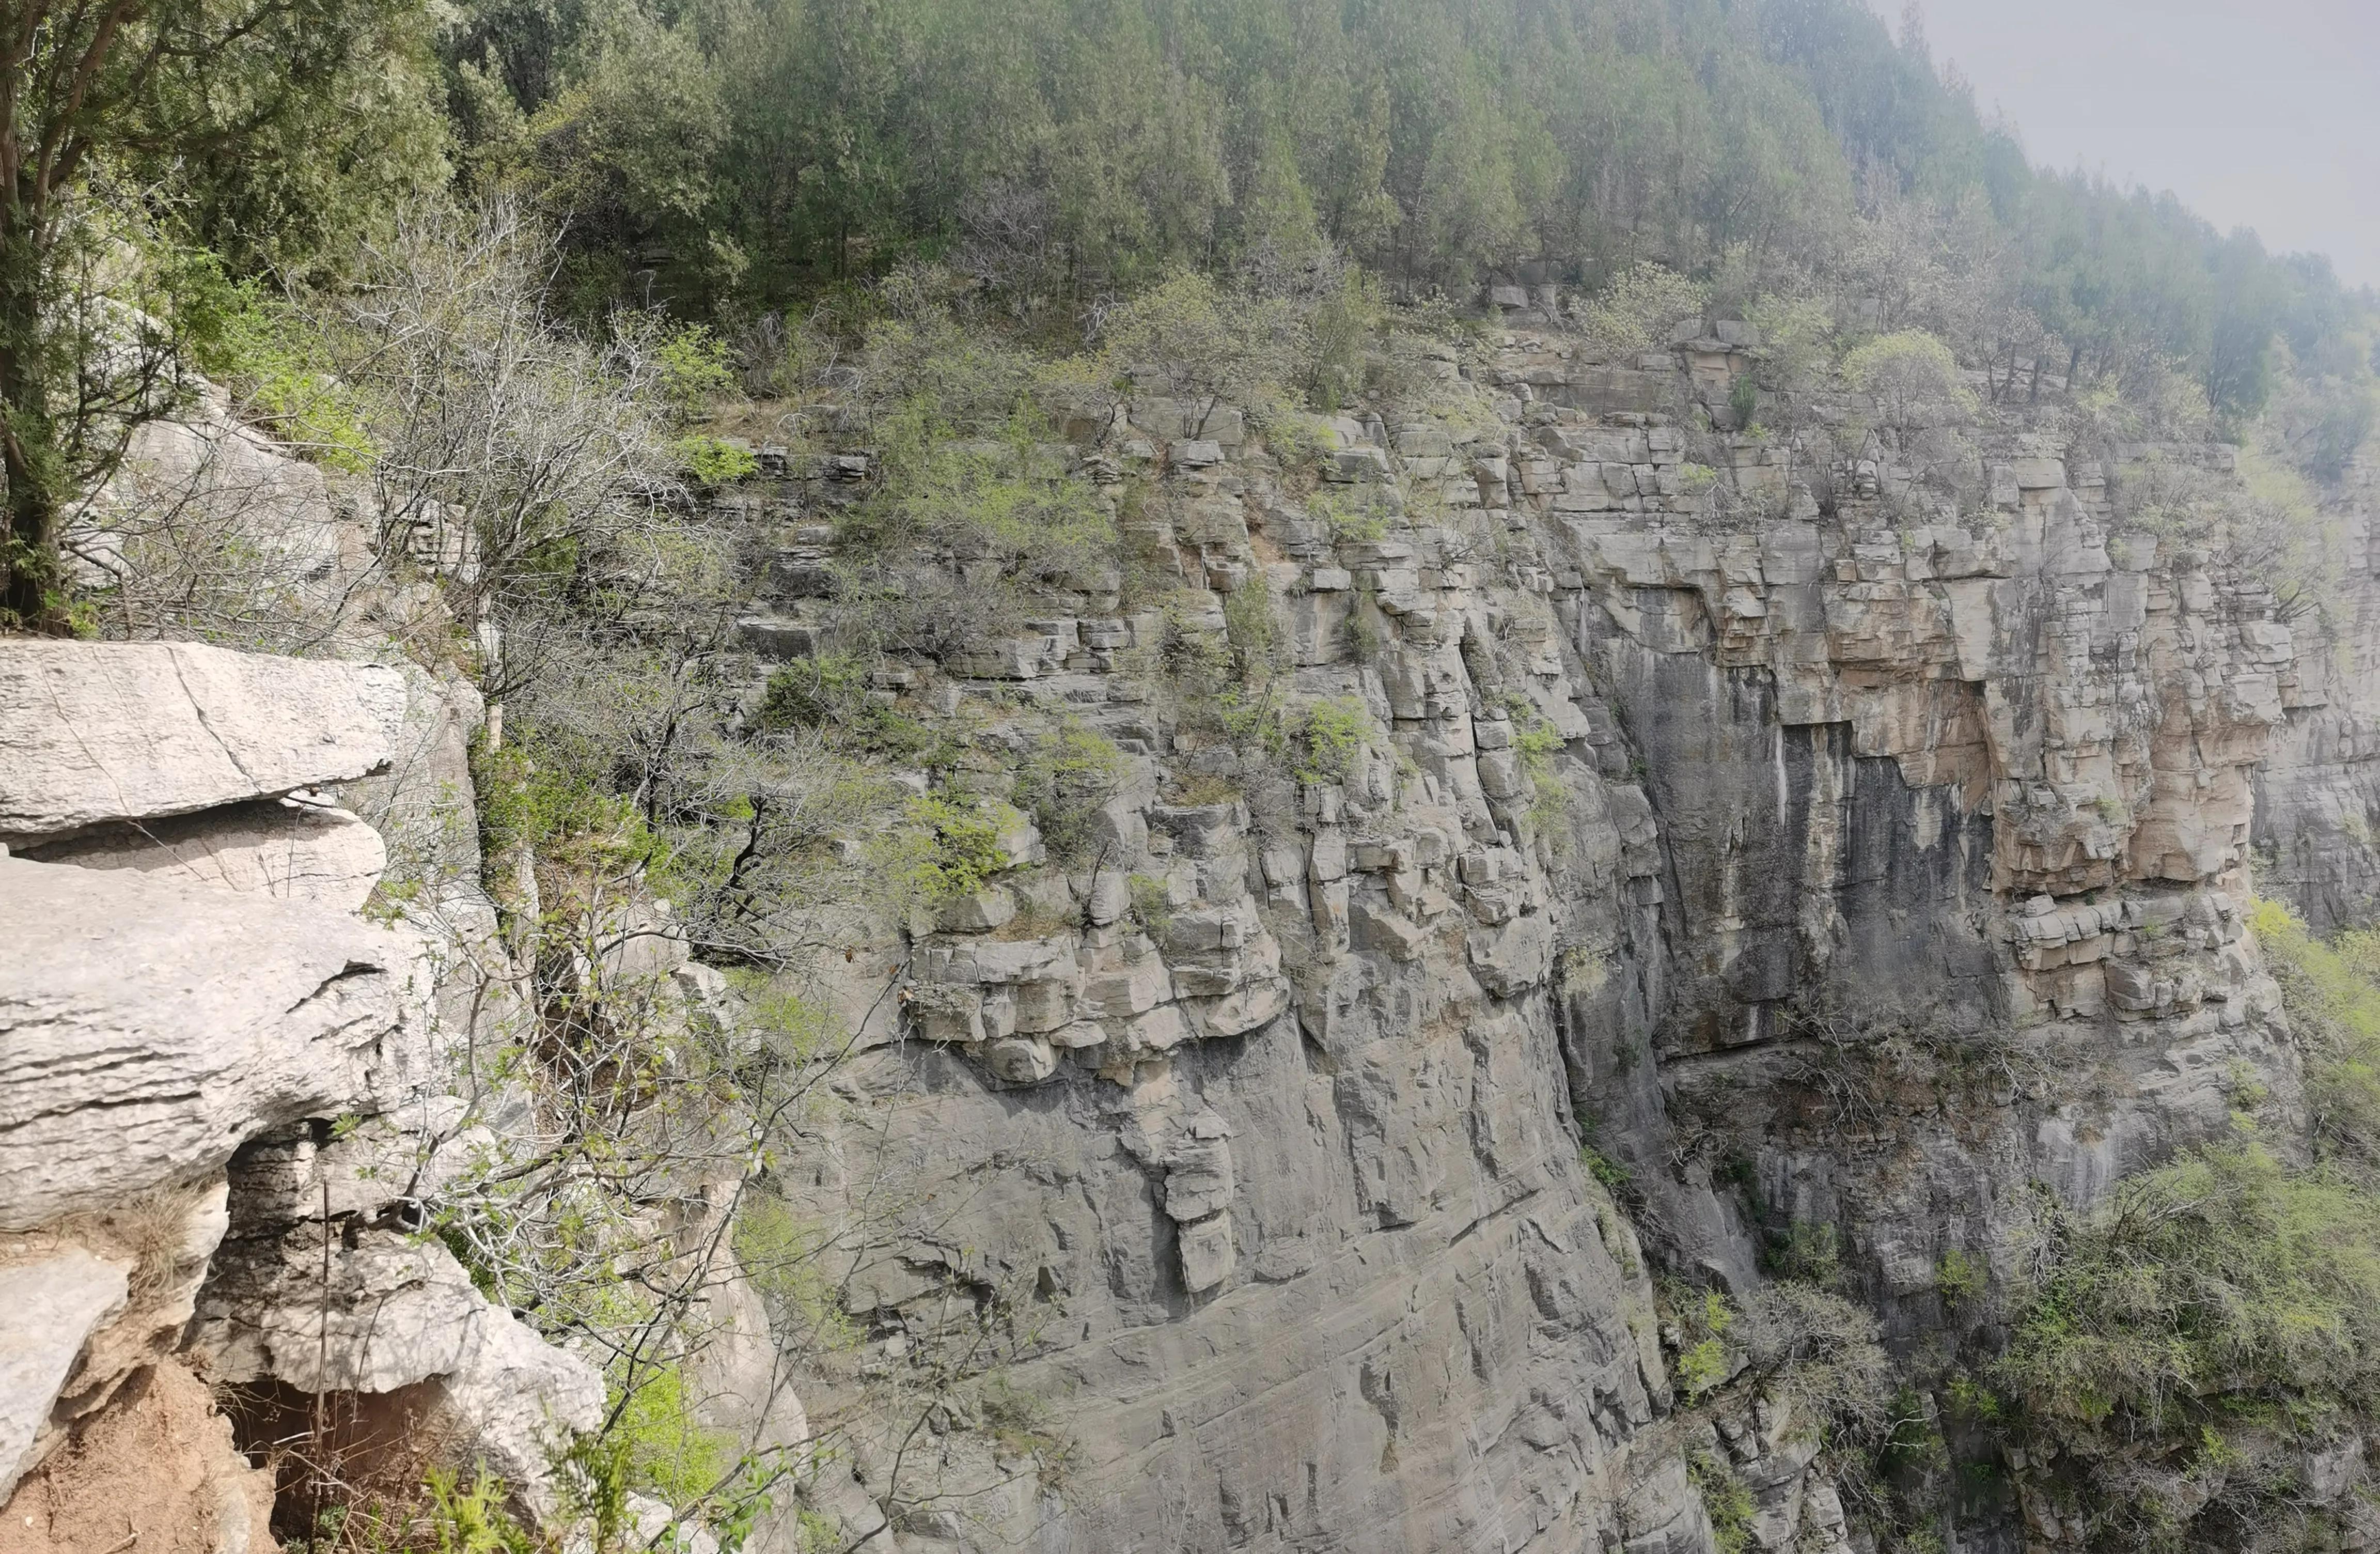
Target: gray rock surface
(96, 732)
(53, 1301)
(285, 847)
(148, 1026)
(1695, 763)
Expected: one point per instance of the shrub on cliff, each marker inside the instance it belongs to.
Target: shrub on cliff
(1912, 379)
(2192, 1340)
(1637, 308)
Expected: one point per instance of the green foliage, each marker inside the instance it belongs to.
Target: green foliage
(1328, 740)
(1196, 342)
(1705, 1318)
(1960, 1278)
(94, 321)
(1067, 776)
(535, 799)
(1338, 331)
(785, 1259)
(694, 368)
(1809, 1251)
(1911, 376)
(829, 694)
(665, 1449)
(2221, 1297)
(1248, 627)
(1744, 400)
(2332, 993)
(712, 461)
(1152, 903)
(473, 1518)
(1351, 522)
(1537, 741)
(1726, 1500)
(1614, 1176)
(269, 355)
(942, 852)
(1701, 1366)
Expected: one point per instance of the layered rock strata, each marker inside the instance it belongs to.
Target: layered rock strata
(192, 1002)
(1715, 784)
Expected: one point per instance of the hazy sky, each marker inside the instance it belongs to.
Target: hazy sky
(2258, 113)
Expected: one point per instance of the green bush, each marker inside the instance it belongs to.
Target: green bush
(1701, 1366)
(830, 694)
(1067, 776)
(695, 367)
(1911, 376)
(473, 1518)
(1726, 1500)
(1958, 1279)
(942, 852)
(1152, 904)
(1328, 739)
(1807, 1251)
(712, 461)
(666, 1449)
(269, 356)
(2183, 1347)
(2332, 994)
(1638, 310)
(1350, 523)
(2222, 1298)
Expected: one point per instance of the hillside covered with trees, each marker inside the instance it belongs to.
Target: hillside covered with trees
(748, 160)
(1363, 498)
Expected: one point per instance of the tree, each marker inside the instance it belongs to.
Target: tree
(83, 82)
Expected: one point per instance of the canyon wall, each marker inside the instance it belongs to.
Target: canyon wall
(1683, 838)
(1886, 864)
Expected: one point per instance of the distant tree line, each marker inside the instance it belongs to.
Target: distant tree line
(734, 159)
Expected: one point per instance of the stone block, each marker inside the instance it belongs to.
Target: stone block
(55, 1303)
(1021, 1059)
(1209, 1254)
(1375, 926)
(91, 732)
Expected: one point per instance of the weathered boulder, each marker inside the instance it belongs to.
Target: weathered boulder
(398, 1313)
(94, 732)
(148, 1026)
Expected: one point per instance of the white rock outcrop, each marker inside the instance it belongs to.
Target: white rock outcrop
(148, 1026)
(132, 731)
(293, 848)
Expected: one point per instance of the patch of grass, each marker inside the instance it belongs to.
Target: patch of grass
(1726, 1500)
(1152, 904)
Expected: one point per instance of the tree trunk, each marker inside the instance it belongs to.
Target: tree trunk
(30, 596)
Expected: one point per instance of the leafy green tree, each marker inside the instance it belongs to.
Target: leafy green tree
(83, 84)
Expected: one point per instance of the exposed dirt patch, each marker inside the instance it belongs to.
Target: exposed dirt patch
(153, 1473)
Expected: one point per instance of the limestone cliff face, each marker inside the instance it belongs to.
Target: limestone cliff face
(2318, 789)
(1889, 856)
(1843, 828)
(191, 1003)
